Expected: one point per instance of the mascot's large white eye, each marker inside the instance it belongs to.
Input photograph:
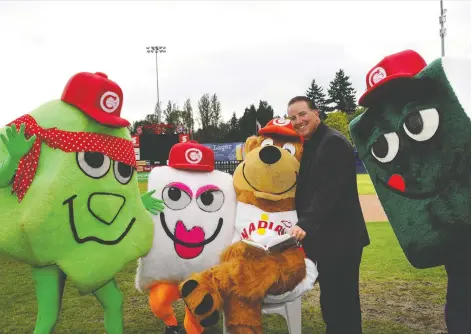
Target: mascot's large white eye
(175, 198)
(211, 200)
(290, 148)
(123, 172)
(422, 125)
(93, 164)
(267, 141)
(386, 147)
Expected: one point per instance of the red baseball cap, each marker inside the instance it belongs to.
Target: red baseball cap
(192, 156)
(279, 126)
(402, 65)
(97, 96)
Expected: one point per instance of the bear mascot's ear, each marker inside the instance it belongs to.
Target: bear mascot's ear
(251, 143)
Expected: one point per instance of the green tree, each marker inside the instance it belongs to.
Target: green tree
(233, 134)
(264, 113)
(215, 111)
(359, 110)
(204, 111)
(187, 116)
(341, 93)
(317, 97)
(339, 120)
(247, 123)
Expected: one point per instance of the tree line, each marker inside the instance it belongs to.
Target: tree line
(206, 123)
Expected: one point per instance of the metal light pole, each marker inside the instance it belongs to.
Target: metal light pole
(156, 50)
(442, 31)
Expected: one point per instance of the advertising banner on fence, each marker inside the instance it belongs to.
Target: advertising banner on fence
(227, 151)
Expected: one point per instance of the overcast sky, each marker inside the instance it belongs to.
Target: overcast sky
(242, 51)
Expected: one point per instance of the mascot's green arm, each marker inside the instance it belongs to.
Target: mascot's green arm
(153, 205)
(16, 146)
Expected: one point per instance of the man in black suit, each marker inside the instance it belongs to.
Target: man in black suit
(330, 220)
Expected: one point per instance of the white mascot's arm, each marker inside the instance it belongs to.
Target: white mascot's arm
(236, 237)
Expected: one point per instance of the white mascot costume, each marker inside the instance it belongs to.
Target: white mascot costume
(196, 225)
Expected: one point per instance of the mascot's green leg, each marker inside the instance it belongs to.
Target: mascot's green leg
(49, 283)
(111, 299)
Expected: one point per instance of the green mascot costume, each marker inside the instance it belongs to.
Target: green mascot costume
(414, 140)
(69, 197)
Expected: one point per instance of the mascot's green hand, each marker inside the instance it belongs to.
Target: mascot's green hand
(16, 143)
(153, 205)
(17, 146)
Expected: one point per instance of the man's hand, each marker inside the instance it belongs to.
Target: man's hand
(297, 232)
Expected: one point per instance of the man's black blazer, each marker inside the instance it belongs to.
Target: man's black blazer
(327, 200)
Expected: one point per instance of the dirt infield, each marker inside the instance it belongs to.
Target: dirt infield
(371, 208)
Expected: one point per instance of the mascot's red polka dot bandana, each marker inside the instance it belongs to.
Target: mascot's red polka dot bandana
(115, 148)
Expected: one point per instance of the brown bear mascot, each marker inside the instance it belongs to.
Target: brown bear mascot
(265, 185)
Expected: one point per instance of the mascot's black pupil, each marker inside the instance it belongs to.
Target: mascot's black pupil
(414, 123)
(124, 169)
(207, 198)
(380, 147)
(174, 194)
(94, 159)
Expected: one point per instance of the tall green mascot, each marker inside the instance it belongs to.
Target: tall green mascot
(70, 204)
(414, 140)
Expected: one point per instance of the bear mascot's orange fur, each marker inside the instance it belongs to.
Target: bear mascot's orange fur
(265, 183)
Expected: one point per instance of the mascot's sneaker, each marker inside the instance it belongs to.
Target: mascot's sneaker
(172, 330)
(202, 299)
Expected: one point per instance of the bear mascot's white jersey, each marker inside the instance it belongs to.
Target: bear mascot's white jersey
(197, 224)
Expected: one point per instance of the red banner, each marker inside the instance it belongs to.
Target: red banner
(183, 138)
(135, 141)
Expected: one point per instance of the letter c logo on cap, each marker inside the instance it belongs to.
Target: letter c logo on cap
(109, 102)
(193, 155)
(281, 122)
(377, 75)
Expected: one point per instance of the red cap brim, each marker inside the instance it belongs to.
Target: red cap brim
(373, 92)
(108, 120)
(192, 167)
(277, 130)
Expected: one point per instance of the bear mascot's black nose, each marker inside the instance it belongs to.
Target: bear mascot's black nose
(270, 154)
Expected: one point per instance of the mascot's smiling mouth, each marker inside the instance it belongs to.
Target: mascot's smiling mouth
(409, 194)
(70, 202)
(186, 249)
(452, 172)
(283, 192)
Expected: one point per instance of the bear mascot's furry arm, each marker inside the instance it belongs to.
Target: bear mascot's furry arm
(70, 205)
(265, 187)
(196, 225)
(414, 140)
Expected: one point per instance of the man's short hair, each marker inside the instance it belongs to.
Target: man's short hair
(302, 98)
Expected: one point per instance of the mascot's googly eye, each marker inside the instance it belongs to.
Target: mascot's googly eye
(422, 125)
(175, 198)
(211, 200)
(267, 141)
(290, 148)
(93, 164)
(123, 172)
(386, 147)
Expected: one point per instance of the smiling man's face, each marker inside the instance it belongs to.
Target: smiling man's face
(415, 144)
(304, 120)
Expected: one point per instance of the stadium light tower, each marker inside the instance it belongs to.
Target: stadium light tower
(156, 50)
(442, 31)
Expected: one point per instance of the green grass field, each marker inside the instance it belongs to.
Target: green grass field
(364, 185)
(395, 297)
